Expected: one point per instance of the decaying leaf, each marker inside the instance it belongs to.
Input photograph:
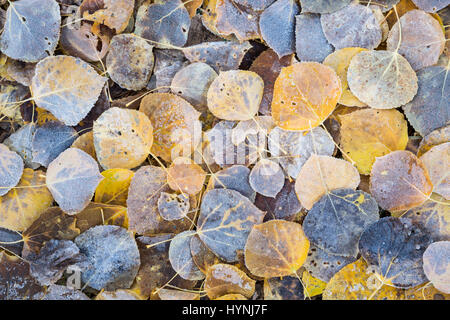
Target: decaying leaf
(25, 203)
(181, 258)
(165, 24)
(202, 256)
(113, 189)
(429, 110)
(122, 138)
(113, 254)
(399, 181)
(381, 79)
(276, 248)
(31, 31)
(225, 221)
(352, 26)
(432, 139)
(369, 133)
(11, 165)
(431, 5)
(394, 246)
(422, 40)
(437, 162)
(130, 61)
(276, 25)
(305, 94)
(67, 87)
(436, 265)
(222, 279)
(96, 214)
(112, 13)
(72, 179)
(284, 288)
(85, 142)
(321, 175)
(235, 95)
(176, 128)
(340, 61)
(335, 223)
(173, 206)
(292, 148)
(59, 292)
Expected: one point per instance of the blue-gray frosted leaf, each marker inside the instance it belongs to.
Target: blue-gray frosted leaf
(352, 26)
(181, 258)
(395, 246)
(167, 64)
(66, 86)
(31, 30)
(235, 178)
(21, 142)
(310, 42)
(173, 206)
(130, 61)
(59, 292)
(323, 265)
(277, 26)
(323, 6)
(55, 256)
(431, 5)
(429, 110)
(11, 169)
(165, 24)
(386, 5)
(257, 5)
(220, 55)
(72, 179)
(335, 222)
(11, 241)
(114, 257)
(50, 140)
(225, 221)
(10, 97)
(293, 148)
(267, 178)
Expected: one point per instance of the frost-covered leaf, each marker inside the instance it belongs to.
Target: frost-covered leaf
(283, 288)
(267, 178)
(437, 162)
(234, 178)
(185, 176)
(173, 206)
(431, 5)
(67, 87)
(113, 189)
(436, 265)
(11, 165)
(323, 6)
(72, 179)
(31, 31)
(112, 13)
(21, 141)
(222, 279)
(181, 258)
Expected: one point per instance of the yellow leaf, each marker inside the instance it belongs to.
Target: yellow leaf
(114, 188)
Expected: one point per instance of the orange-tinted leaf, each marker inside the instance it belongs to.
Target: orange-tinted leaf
(112, 13)
(184, 175)
(222, 279)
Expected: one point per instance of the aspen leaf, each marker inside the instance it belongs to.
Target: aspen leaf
(96, 214)
(367, 134)
(284, 288)
(267, 178)
(357, 281)
(235, 95)
(72, 179)
(222, 279)
(202, 256)
(399, 181)
(11, 165)
(130, 61)
(292, 148)
(183, 175)
(21, 142)
(394, 246)
(167, 64)
(114, 256)
(49, 140)
(335, 223)
(426, 292)
(422, 40)
(323, 6)
(112, 13)
(67, 87)
(321, 175)
(313, 286)
(165, 24)
(31, 31)
(381, 79)
(85, 142)
(24, 204)
(21, 71)
(431, 5)
(119, 294)
(428, 110)
(173, 206)
(310, 42)
(352, 26)
(277, 26)
(220, 55)
(305, 94)
(122, 138)
(437, 162)
(436, 265)
(276, 248)
(340, 61)
(113, 189)
(181, 258)
(226, 218)
(176, 128)
(234, 178)
(11, 241)
(432, 139)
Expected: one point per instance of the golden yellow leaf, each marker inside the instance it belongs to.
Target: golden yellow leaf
(113, 189)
